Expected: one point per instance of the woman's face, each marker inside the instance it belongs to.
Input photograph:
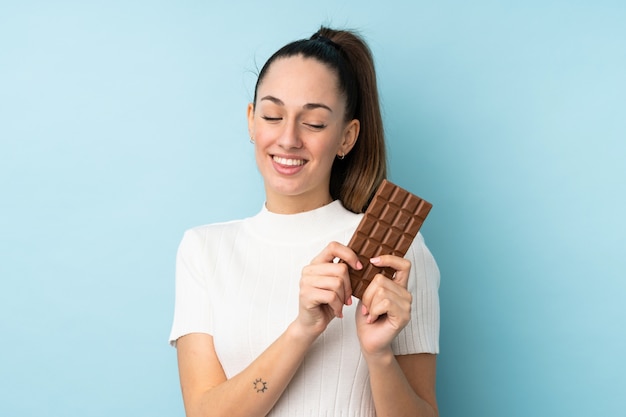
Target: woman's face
(299, 127)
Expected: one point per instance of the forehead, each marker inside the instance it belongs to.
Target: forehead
(300, 79)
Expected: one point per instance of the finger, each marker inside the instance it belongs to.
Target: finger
(333, 251)
(336, 250)
(402, 266)
(337, 271)
(396, 306)
(330, 269)
(316, 296)
(384, 296)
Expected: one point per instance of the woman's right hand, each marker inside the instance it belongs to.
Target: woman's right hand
(325, 287)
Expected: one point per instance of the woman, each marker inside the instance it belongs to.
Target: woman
(265, 323)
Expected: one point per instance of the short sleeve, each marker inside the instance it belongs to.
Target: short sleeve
(192, 313)
(421, 334)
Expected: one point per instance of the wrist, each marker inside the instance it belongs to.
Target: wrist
(383, 357)
(299, 333)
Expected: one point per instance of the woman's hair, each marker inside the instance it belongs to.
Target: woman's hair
(354, 179)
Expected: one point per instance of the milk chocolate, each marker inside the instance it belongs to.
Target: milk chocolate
(388, 226)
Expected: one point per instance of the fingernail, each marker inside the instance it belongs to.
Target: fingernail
(359, 265)
(375, 260)
(364, 310)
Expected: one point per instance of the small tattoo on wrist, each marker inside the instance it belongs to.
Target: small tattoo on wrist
(260, 385)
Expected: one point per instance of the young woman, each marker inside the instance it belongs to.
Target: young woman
(265, 323)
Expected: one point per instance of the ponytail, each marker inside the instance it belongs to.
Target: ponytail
(355, 178)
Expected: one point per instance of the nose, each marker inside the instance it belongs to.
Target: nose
(290, 136)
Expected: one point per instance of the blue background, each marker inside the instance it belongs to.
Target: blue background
(121, 123)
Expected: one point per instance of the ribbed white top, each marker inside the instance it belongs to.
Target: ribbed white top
(239, 281)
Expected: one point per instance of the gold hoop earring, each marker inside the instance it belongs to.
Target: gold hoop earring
(341, 156)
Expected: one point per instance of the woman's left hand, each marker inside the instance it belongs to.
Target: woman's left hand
(385, 308)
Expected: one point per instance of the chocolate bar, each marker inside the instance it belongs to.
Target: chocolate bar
(388, 226)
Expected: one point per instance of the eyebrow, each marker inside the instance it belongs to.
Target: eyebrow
(308, 106)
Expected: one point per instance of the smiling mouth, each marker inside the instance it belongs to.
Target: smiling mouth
(288, 161)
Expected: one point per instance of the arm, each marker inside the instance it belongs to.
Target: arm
(324, 289)
(253, 392)
(401, 385)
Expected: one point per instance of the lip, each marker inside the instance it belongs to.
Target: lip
(287, 168)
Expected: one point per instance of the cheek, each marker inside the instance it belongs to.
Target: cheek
(325, 156)
(262, 135)
(331, 145)
(259, 153)
(330, 152)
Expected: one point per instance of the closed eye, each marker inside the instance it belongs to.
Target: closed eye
(271, 119)
(315, 126)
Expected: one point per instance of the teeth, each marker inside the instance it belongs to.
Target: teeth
(288, 162)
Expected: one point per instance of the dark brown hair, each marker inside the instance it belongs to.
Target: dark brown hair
(355, 178)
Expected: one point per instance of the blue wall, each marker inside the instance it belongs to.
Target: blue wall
(120, 122)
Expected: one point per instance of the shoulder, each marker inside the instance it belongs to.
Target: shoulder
(200, 236)
(219, 227)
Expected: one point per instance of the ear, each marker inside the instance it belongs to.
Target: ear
(350, 135)
(251, 120)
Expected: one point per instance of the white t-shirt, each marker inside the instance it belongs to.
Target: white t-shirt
(239, 282)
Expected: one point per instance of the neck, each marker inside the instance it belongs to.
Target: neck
(295, 204)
